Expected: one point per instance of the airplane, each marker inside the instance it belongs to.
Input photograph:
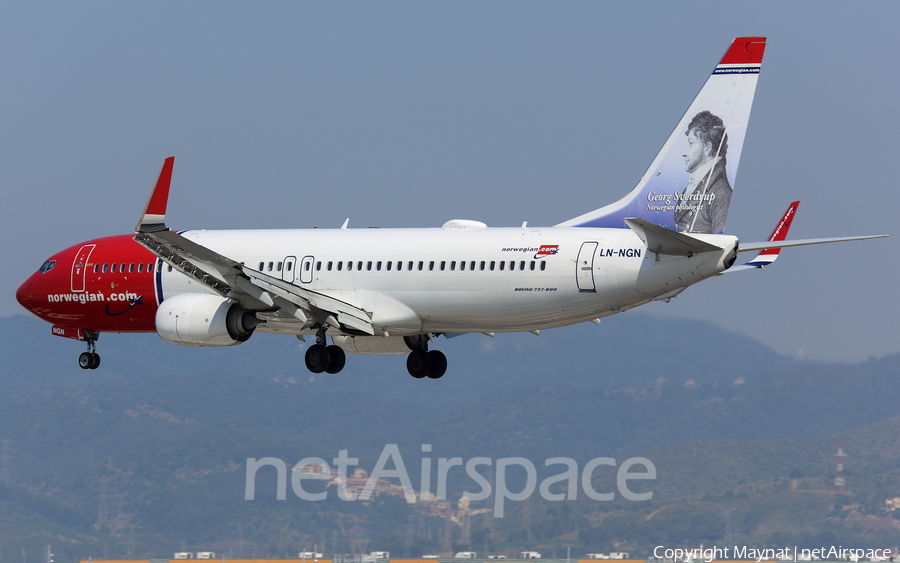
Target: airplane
(396, 291)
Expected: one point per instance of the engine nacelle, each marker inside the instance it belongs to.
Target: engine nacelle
(197, 319)
(373, 345)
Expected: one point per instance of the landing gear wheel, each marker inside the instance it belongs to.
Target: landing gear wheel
(90, 359)
(438, 364)
(86, 360)
(336, 358)
(317, 358)
(418, 363)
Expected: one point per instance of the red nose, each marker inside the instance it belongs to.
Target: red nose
(25, 294)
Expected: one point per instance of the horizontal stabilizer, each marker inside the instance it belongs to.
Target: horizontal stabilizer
(800, 242)
(769, 250)
(666, 241)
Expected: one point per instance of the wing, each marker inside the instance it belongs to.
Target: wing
(254, 290)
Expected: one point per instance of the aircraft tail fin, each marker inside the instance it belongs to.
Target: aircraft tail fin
(689, 184)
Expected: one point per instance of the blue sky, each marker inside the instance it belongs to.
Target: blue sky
(289, 114)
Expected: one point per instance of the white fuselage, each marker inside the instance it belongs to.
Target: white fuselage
(456, 280)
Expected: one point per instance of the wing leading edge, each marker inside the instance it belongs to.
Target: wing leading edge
(254, 290)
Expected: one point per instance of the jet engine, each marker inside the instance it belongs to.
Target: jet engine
(197, 319)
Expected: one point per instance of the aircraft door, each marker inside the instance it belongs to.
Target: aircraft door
(287, 272)
(306, 269)
(584, 267)
(79, 267)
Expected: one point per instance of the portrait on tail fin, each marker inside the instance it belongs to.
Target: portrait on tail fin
(703, 204)
(688, 186)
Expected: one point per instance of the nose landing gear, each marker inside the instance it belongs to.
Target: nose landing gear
(90, 359)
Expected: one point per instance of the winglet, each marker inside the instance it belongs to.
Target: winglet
(154, 217)
(768, 255)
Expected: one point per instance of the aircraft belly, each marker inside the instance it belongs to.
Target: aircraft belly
(508, 309)
(388, 313)
(671, 272)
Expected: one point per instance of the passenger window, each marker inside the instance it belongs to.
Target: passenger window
(340, 265)
(532, 265)
(378, 266)
(104, 268)
(388, 265)
(170, 267)
(431, 266)
(349, 265)
(492, 265)
(421, 265)
(141, 268)
(262, 266)
(150, 268)
(443, 265)
(482, 265)
(512, 265)
(409, 266)
(399, 265)
(359, 265)
(96, 267)
(290, 266)
(319, 266)
(122, 269)
(522, 265)
(472, 265)
(270, 266)
(369, 266)
(543, 266)
(113, 268)
(278, 267)
(130, 268)
(307, 266)
(502, 265)
(462, 265)
(330, 265)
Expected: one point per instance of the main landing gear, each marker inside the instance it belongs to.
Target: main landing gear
(421, 362)
(90, 359)
(431, 364)
(424, 363)
(319, 357)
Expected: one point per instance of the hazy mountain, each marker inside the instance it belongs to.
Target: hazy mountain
(147, 454)
(624, 349)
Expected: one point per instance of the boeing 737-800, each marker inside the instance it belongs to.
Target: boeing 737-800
(395, 291)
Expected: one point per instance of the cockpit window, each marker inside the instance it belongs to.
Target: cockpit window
(47, 266)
